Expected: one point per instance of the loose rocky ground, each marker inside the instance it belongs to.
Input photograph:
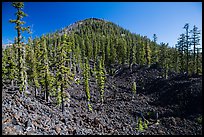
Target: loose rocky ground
(172, 106)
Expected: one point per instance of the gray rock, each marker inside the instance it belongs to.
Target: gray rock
(14, 121)
(28, 129)
(19, 128)
(29, 123)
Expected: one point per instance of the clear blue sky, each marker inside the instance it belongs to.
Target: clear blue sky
(166, 19)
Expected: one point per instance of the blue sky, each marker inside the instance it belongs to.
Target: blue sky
(166, 19)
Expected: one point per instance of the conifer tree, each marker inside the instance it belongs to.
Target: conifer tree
(121, 51)
(164, 58)
(141, 53)
(107, 54)
(134, 88)
(195, 42)
(44, 68)
(187, 45)
(20, 14)
(154, 57)
(147, 52)
(12, 66)
(176, 59)
(21, 54)
(78, 57)
(132, 54)
(101, 79)
(180, 47)
(198, 61)
(95, 52)
(64, 75)
(5, 55)
(112, 55)
(23, 68)
(34, 74)
(86, 76)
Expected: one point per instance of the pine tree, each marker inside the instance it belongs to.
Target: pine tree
(141, 53)
(21, 54)
(5, 55)
(187, 46)
(23, 68)
(164, 58)
(198, 61)
(34, 74)
(112, 55)
(107, 54)
(121, 51)
(134, 88)
(86, 76)
(78, 59)
(154, 57)
(44, 68)
(195, 42)
(132, 54)
(101, 79)
(95, 52)
(12, 66)
(20, 14)
(176, 59)
(147, 52)
(180, 47)
(64, 75)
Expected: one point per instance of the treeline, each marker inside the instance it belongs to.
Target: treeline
(90, 48)
(189, 57)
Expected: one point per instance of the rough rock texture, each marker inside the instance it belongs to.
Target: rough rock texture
(172, 106)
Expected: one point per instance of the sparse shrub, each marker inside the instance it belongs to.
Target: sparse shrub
(199, 120)
(146, 124)
(140, 125)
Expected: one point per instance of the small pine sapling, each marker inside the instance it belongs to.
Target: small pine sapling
(134, 89)
(101, 79)
(140, 125)
(146, 124)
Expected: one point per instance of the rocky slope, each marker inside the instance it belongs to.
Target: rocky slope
(172, 106)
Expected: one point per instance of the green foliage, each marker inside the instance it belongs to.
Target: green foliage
(20, 14)
(89, 107)
(154, 49)
(134, 55)
(63, 74)
(134, 88)
(77, 81)
(23, 73)
(4, 64)
(113, 53)
(199, 120)
(101, 79)
(141, 54)
(86, 76)
(21, 48)
(139, 126)
(146, 124)
(50, 62)
(121, 51)
(147, 53)
(12, 66)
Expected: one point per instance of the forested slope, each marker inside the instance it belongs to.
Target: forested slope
(74, 69)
